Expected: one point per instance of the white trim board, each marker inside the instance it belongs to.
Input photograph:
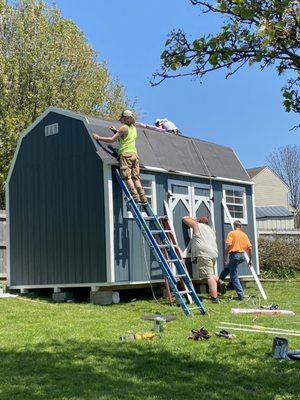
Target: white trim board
(109, 223)
(214, 178)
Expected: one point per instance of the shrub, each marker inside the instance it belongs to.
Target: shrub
(279, 258)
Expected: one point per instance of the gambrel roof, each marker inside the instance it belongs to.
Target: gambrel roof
(162, 151)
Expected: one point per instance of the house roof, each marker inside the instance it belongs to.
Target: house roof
(252, 172)
(175, 153)
(272, 211)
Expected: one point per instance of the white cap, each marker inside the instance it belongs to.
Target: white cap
(126, 113)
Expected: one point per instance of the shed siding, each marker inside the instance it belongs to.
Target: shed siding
(270, 190)
(57, 207)
(130, 250)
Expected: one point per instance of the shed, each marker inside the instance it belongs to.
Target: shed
(68, 225)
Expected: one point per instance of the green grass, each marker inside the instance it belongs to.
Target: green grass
(72, 351)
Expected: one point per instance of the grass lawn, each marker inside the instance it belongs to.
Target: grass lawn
(72, 351)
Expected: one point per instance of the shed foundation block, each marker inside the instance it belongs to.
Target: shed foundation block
(102, 298)
(61, 297)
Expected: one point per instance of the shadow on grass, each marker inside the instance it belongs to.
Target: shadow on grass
(99, 370)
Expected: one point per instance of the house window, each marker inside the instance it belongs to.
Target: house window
(148, 183)
(235, 199)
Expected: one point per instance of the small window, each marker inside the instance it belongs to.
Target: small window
(51, 129)
(236, 204)
(148, 183)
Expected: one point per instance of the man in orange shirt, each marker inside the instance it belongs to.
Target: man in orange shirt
(237, 243)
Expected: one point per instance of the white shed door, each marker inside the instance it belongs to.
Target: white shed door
(188, 198)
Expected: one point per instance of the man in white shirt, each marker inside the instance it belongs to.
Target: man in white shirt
(204, 248)
(167, 125)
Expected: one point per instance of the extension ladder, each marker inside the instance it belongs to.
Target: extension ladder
(163, 250)
(166, 224)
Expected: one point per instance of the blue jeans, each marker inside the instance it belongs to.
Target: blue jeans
(231, 268)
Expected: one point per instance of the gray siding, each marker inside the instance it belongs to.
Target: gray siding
(130, 262)
(56, 203)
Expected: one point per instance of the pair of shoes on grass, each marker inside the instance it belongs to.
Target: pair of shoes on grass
(225, 334)
(199, 334)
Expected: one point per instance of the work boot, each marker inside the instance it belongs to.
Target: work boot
(215, 300)
(142, 196)
(222, 287)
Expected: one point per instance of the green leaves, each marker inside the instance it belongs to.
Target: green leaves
(45, 60)
(264, 32)
(213, 59)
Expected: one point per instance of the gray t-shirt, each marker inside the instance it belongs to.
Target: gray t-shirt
(204, 243)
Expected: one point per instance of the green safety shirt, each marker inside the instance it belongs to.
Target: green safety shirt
(127, 145)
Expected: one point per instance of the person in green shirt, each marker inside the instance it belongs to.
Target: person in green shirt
(128, 157)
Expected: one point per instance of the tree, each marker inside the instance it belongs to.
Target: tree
(264, 32)
(285, 161)
(45, 60)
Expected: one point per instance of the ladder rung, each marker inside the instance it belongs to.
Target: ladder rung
(172, 260)
(164, 245)
(185, 291)
(180, 276)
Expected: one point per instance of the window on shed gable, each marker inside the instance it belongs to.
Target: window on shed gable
(235, 200)
(51, 129)
(148, 183)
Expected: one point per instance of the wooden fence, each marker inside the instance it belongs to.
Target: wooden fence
(3, 264)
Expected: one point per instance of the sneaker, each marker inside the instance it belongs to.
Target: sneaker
(222, 287)
(225, 334)
(215, 300)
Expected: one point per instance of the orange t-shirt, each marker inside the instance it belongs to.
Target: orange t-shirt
(237, 240)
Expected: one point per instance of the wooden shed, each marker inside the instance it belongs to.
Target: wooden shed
(68, 225)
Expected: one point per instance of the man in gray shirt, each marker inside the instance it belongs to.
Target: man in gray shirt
(205, 250)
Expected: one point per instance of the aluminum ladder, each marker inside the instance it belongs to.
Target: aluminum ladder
(157, 239)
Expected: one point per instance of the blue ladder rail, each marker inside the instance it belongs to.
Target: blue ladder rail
(158, 232)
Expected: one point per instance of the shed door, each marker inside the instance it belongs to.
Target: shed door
(187, 198)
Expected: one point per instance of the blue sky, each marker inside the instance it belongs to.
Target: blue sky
(244, 111)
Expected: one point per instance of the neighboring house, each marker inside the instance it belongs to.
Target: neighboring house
(68, 225)
(271, 201)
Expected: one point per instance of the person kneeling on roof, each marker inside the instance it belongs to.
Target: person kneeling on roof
(128, 157)
(167, 125)
(205, 250)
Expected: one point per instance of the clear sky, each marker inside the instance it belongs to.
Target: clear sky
(244, 111)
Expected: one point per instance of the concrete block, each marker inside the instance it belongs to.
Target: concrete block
(61, 297)
(116, 297)
(202, 288)
(102, 298)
